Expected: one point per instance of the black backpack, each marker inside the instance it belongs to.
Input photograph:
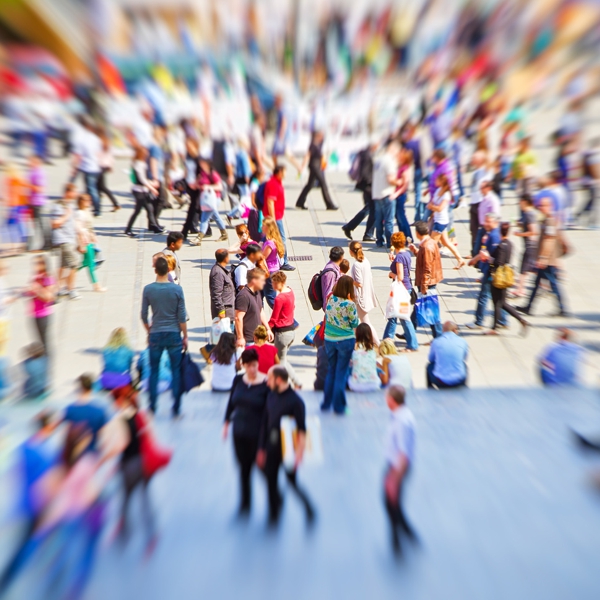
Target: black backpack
(232, 271)
(315, 289)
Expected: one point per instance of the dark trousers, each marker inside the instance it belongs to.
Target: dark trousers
(433, 380)
(245, 452)
(133, 477)
(40, 223)
(551, 274)
(473, 225)
(322, 364)
(23, 551)
(314, 176)
(159, 202)
(398, 522)
(41, 325)
(192, 219)
(103, 189)
(368, 212)
(500, 304)
(589, 208)
(142, 201)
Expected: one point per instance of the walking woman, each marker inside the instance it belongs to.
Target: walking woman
(272, 250)
(42, 291)
(341, 319)
(400, 271)
(192, 220)
(401, 193)
(142, 189)
(87, 239)
(245, 410)
(439, 205)
(501, 258)
(106, 165)
(366, 300)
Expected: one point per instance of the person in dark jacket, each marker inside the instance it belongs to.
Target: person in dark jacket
(363, 184)
(499, 258)
(245, 410)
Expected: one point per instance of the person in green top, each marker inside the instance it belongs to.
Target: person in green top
(341, 319)
(522, 167)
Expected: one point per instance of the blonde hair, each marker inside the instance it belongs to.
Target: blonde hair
(271, 232)
(118, 339)
(171, 261)
(260, 333)
(387, 347)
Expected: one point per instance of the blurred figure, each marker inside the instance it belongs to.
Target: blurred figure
(395, 368)
(448, 354)
(562, 361)
(38, 200)
(316, 174)
(363, 376)
(399, 455)
(117, 358)
(282, 135)
(192, 169)
(523, 167)
(106, 162)
(528, 224)
(224, 358)
(42, 291)
(35, 367)
(591, 183)
(364, 292)
(385, 180)
(17, 201)
(88, 150)
(87, 239)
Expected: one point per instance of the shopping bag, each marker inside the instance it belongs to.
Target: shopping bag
(154, 456)
(398, 303)
(191, 376)
(313, 451)
(218, 327)
(209, 201)
(503, 277)
(309, 338)
(428, 310)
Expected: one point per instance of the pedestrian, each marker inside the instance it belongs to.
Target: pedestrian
(37, 199)
(88, 150)
(561, 362)
(363, 374)
(192, 168)
(364, 292)
(480, 172)
(242, 176)
(395, 368)
(267, 353)
(174, 244)
(316, 174)
(591, 183)
(401, 192)
(143, 190)
(64, 237)
(224, 359)
(282, 322)
(501, 259)
(157, 152)
(245, 409)
(448, 354)
(249, 311)
(523, 167)
(35, 368)
(167, 330)
(385, 180)
(399, 454)
(273, 251)
(528, 224)
(249, 262)
(274, 206)
(490, 203)
(106, 162)
(412, 143)
(282, 401)
(244, 240)
(42, 291)
(551, 246)
(400, 271)
(341, 319)
(88, 242)
(283, 133)
(117, 359)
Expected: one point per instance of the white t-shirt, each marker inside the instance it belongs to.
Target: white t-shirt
(400, 436)
(89, 147)
(241, 272)
(223, 375)
(442, 217)
(385, 166)
(400, 371)
(478, 176)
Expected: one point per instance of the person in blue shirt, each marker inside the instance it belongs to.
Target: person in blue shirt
(561, 362)
(448, 354)
(117, 356)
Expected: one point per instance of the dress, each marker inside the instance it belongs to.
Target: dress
(364, 371)
(365, 297)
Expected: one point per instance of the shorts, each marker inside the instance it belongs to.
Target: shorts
(528, 261)
(69, 257)
(439, 227)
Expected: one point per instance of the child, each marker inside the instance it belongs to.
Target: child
(36, 372)
(243, 234)
(172, 262)
(400, 447)
(363, 377)
(395, 368)
(42, 291)
(267, 353)
(87, 238)
(174, 244)
(344, 266)
(224, 361)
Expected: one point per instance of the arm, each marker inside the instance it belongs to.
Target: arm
(239, 328)
(276, 310)
(229, 409)
(266, 252)
(270, 204)
(182, 316)
(145, 306)
(265, 322)
(60, 221)
(216, 295)
(427, 271)
(384, 375)
(353, 316)
(395, 476)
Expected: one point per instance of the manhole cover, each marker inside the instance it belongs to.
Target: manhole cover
(299, 258)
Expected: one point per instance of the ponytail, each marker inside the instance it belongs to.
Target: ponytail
(356, 248)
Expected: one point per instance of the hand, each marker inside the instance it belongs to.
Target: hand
(539, 265)
(261, 459)
(184, 341)
(391, 256)
(424, 291)
(225, 430)
(412, 248)
(299, 457)
(270, 335)
(240, 343)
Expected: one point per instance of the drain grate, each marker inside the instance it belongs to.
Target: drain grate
(299, 258)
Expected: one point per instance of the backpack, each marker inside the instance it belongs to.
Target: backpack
(259, 197)
(232, 275)
(355, 167)
(315, 289)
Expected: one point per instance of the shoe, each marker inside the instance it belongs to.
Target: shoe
(368, 238)
(63, 292)
(197, 241)
(525, 326)
(229, 221)
(562, 313)
(523, 310)
(301, 207)
(116, 208)
(130, 234)
(400, 336)
(224, 237)
(347, 233)
(209, 232)
(287, 267)
(73, 295)
(333, 207)
(474, 326)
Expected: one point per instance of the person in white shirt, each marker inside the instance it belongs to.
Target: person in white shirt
(480, 171)
(88, 150)
(385, 181)
(399, 456)
(253, 253)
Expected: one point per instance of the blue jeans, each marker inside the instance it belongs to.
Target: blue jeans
(401, 219)
(484, 295)
(269, 293)
(338, 358)
(283, 239)
(384, 220)
(157, 343)
(91, 187)
(410, 335)
(551, 275)
(417, 184)
(206, 216)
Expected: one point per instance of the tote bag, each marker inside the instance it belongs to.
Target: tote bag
(313, 450)
(209, 201)
(398, 304)
(428, 310)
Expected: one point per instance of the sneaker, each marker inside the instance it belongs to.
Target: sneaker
(347, 233)
(63, 292)
(73, 295)
(368, 238)
(288, 267)
(474, 326)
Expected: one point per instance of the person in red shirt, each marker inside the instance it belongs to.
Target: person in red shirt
(282, 321)
(274, 206)
(267, 353)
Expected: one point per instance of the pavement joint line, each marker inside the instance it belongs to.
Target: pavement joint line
(137, 289)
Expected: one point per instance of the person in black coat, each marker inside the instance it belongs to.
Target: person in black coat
(245, 410)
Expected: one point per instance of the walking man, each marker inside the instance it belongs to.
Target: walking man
(314, 158)
(249, 311)
(385, 180)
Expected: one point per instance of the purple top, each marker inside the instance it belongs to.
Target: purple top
(328, 281)
(403, 258)
(37, 177)
(273, 259)
(444, 168)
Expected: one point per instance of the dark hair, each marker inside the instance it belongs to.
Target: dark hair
(344, 266)
(504, 228)
(527, 199)
(344, 288)
(252, 249)
(278, 169)
(173, 237)
(75, 434)
(224, 350)
(281, 373)
(397, 393)
(161, 266)
(42, 419)
(356, 248)
(421, 228)
(439, 153)
(221, 254)
(249, 355)
(86, 382)
(336, 253)
(364, 336)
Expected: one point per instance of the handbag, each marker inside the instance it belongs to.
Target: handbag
(398, 303)
(427, 309)
(218, 327)
(154, 456)
(191, 376)
(209, 201)
(503, 277)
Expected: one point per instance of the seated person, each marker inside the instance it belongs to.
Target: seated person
(363, 377)
(36, 372)
(225, 365)
(447, 359)
(395, 368)
(561, 361)
(164, 371)
(118, 357)
(267, 353)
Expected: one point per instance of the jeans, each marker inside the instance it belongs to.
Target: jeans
(419, 206)
(368, 210)
(283, 239)
(410, 334)
(206, 216)
(269, 293)
(338, 357)
(478, 241)
(433, 380)
(91, 187)
(589, 208)
(384, 220)
(549, 273)
(171, 342)
(401, 219)
(482, 300)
